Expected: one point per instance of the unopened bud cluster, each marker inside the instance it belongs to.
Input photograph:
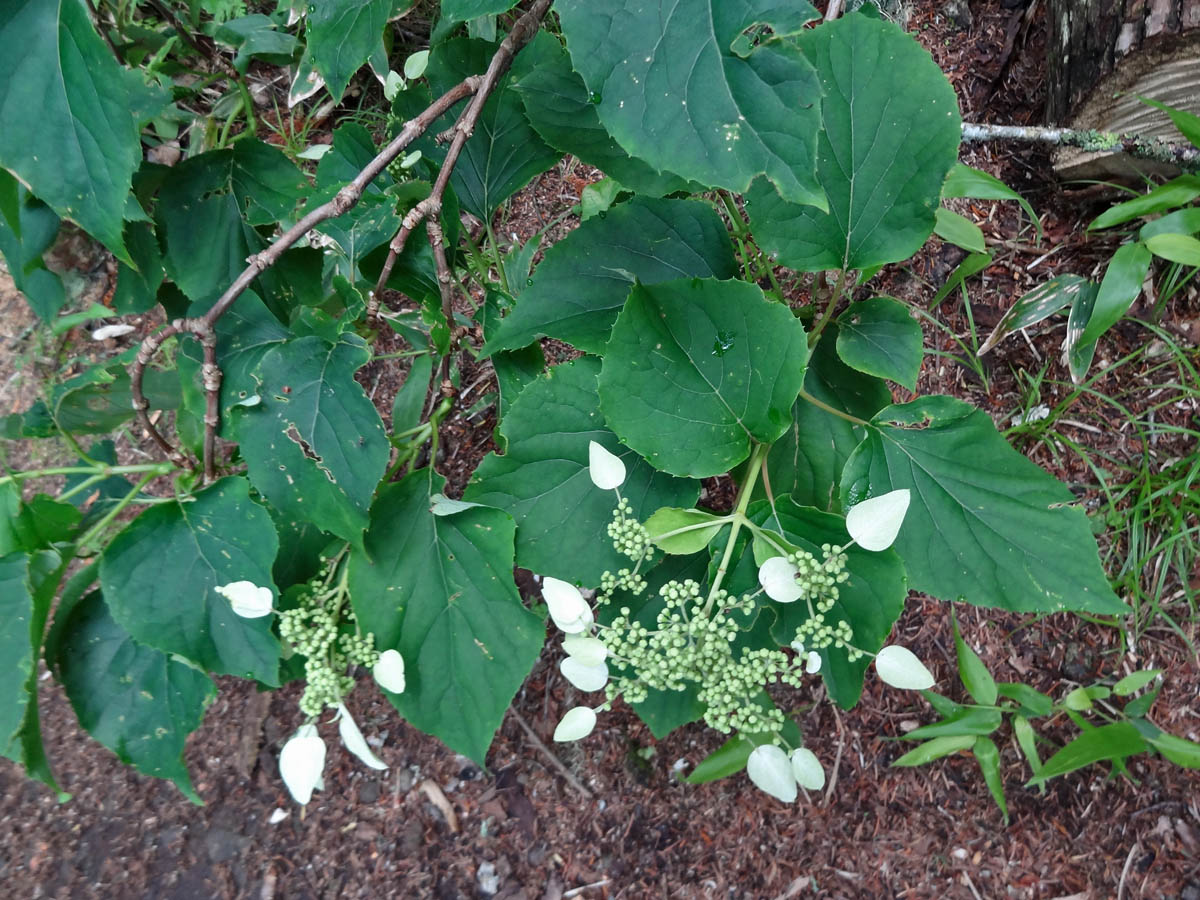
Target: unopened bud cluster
(818, 582)
(314, 629)
(629, 536)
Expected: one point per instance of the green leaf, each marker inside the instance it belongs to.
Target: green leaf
(159, 576)
(698, 369)
(1182, 221)
(880, 337)
(139, 702)
(342, 35)
(543, 483)
(137, 289)
(943, 706)
(584, 279)
(671, 88)
(1079, 353)
(1187, 123)
(69, 128)
(987, 754)
(1178, 750)
(465, 10)
(974, 263)
(1121, 285)
(1035, 305)
(986, 525)
(1179, 248)
(936, 749)
(28, 227)
(1108, 742)
(560, 110)
(807, 461)
(870, 600)
(410, 399)
(256, 36)
(1027, 741)
(1033, 702)
(958, 230)
(964, 181)
(505, 152)
(515, 369)
(698, 535)
(1135, 681)
(439, 589)
(315, 446)
(974, 674)
(881, 158)
(730, 758)
(1177, 192)
(968, 720)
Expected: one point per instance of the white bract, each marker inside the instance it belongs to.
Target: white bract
(900, 668)
(577, 723)
(778, 579)
(607, 470)
(812, 664)
(568, 609)
(104, 332)
(806, 769)
(353, 739)
(771, 771)
(301, 762)
(583, 676)
(588, 650)
(875, 523)
(247, 599)
(389, 671)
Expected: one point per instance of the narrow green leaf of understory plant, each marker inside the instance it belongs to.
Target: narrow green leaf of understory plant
(1187, 123)
(974, 674)
(1108, 742)
(969, 720)
(964, 181)
(988, 757)
(1180, 248)
(1177, 192)
(1135, 681)
(936, 749)
(959, 230)
(1027, 741)
(1033, 703)
(1036, 305)
(1121, 285)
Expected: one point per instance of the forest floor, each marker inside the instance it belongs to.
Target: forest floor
(622, 825)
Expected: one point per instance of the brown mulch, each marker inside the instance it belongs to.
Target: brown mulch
(519, 829)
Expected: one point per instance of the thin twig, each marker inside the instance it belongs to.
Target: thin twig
(188, 38)
(1182, 155)
(554, 760)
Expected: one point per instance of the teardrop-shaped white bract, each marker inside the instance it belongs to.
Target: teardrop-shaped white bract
(301, 762)
(568, 609)
(588, 650)
(875, 523)
(812, 665)
(247, 599)
(606, 469)
(900, 668)
(577, 723)
(770, 770)
(583, 676)
(806, 769)
(389, 671)
(354, 740)
(778, 578)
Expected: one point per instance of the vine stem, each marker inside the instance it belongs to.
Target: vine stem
(1182, 155)
(99, 527)
(738, 517)
(838, 290)
(833, 411)
(99, 471)
(203, 327)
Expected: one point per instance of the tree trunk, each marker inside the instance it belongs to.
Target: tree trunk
(1103, 55)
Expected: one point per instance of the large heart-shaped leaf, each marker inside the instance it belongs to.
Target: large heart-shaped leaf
(891, 134)
(698, 369)
(806, 462)
(463, 10)
(439, 589)
(543, 481)
(69, 127)
(561, 110)
(137, 701)
(342, 35)
(880, 337)
(680, 85)
(985, 524)
(585, 278)
(315, 446)
(159, 577)
(871, 599)
(505, 152)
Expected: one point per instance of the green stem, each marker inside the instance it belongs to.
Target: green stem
(102, 470)
(833, 411)
(96, 530)
(735, 215)
(828, 314)
(403, 354)
(82, 486)
(248, 107)
(738, 518)
(496, 256)
(222, 140)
